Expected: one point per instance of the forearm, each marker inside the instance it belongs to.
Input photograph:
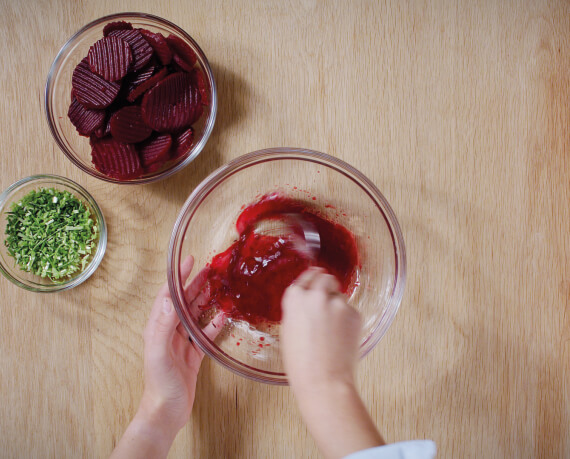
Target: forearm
(337, 419)
(143, 438)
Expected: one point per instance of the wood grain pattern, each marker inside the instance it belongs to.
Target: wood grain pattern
(458, 111)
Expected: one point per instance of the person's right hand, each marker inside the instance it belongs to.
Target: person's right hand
(319, 336)
(319, 332)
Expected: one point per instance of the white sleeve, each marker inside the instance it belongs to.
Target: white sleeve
(416, 449)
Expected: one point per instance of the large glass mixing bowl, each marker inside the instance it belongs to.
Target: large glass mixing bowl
(206, 226)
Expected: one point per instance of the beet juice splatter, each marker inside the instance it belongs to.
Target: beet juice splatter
(247, 281)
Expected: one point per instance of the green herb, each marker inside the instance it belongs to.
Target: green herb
(51, 233)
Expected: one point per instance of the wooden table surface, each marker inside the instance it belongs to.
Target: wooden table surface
(459, 113)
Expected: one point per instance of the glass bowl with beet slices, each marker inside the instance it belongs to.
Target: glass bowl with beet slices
(131, 98)
(253, 226)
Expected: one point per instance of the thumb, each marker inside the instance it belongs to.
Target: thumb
(165, 326)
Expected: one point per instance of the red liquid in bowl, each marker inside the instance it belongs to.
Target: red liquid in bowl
(247, 281)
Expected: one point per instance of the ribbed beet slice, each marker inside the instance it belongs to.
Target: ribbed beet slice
(172, 104)
(199, 111)
(127, 125)
(104, 130)
(202, 85)
(181, 49)
(152, 168)
(181, 143)
(111, 58)
(140, 77)
(142, 51)
(85, 120)
(159, 45)
(91, 90)
(155, 150)
(118, 25)
(115, 159)
(146, 85)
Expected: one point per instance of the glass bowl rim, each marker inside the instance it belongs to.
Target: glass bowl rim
(100, 219)
(257, 157)
(56, 67)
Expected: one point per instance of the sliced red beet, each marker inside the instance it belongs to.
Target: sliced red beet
(115, 159)
(172, 104)
(155, 150)
(107, 127)
(181, 64)
(86, 121)
(142, 51)
(103, 131)
(146, 85)
(140, 77)
(181, 49)
(91, 90)
(127, 125)
(181, 143)
(118, 25)
(202, 85)
(159, 45)
(110, 58)
(151, 168)
(199, 111)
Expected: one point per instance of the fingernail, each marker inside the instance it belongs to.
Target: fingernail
(166, 306)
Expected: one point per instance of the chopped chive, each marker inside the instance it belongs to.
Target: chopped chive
(51, 233)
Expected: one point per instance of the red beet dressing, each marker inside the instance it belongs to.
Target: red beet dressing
(248, 279)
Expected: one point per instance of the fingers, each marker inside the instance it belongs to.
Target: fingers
(306, 278)
(215, 326)
(181, 330)
(161, 327)
(193, 291)
(318, 279)
(325, 282)
(314, 286)
(164, 322)
(162, 295)
(164, 292)
(211, 330)
(186, 267)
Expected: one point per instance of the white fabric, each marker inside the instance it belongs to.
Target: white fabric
(416, 449)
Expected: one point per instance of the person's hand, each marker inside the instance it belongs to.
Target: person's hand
(319, 335)
(319, 331)
(171, 364)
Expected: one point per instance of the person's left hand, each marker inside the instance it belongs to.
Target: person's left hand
(171, 360)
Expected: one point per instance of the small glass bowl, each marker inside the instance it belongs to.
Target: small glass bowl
(15, 193)
(58, 95)
(206, 226)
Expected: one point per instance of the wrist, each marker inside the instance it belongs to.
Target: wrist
(152, 422)
(316, 399)
(143, 438)
(324, 389)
